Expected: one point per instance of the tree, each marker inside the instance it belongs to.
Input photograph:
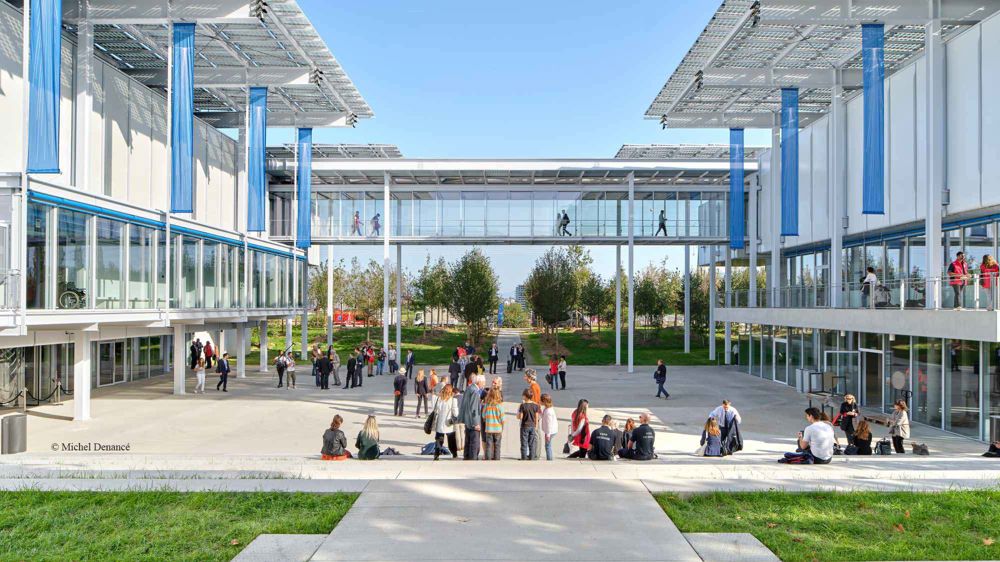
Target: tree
(364, 292)
(649, 301)
(423, 289)
(552, 288)
(700, 303)
(317, 285)
(595, 297)
(581, 259)
(472, 292)
(440, 278)
(514, 315)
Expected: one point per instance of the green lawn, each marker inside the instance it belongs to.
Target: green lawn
(850, 526)
(435, 349)
(155, 525)
(598, 347)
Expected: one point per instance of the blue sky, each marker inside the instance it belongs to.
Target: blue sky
(511, 79)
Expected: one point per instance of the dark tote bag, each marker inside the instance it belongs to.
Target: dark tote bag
(429, 424)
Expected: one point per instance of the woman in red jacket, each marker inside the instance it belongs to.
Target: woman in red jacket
(988, 273)
(579, 431)
(553, 377)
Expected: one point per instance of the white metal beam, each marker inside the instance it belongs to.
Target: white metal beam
(838, 12)
(162, 11)
(720, 120)
(233, 120)
(230, 77)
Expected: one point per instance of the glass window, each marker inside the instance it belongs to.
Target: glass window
(109, 263)
(497, 213)
(71, 259)
(240, 294)
(898, 378)
(927, 381)
(140, 267)
(189, 271)
(271, 281)
(34, 266)
(473, 213)
(451, 213)
(225, 276)
(520, 213)
(209, 254)
(546, 220)
(992, 432)
(962, 388)
(259, 296)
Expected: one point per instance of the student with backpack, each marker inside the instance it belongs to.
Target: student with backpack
(280, 364)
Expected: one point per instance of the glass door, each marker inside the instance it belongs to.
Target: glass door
(781, 360)
(120, 365)
(840, 371)
(871, 367)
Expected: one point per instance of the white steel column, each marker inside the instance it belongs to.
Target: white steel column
(82, 375)
(754, 239)
(399, 300)
(241, 350)
(289, 335)
(84, 97)
(711, 303)
(262, 328)
(728, 287)
(631, 264)
(180, 358)
(687, 299)
(329, 296)
(618, 304)
(838, 192)
(386, 304)
(936, 147)
(774, 269)
(304, 287)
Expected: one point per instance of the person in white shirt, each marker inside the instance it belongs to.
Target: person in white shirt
(199, 371)
(815, 443)
(726, 414)
(446, 416)
(868, 285)
(550, 424)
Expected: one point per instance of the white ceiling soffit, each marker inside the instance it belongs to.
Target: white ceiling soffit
(733, 74)
(235, 49)
(682, 152)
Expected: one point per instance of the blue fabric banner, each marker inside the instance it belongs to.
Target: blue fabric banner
(789, 161)
(303, 171)
(873, 71)
(256, 176)
(736, 179)
(44, 74)
(182, 119)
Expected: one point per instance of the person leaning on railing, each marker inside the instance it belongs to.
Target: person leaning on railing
(958, 272)
(988, 272)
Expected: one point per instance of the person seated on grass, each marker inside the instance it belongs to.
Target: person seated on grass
(602, 442)
(367, 441)
(862, 437)
(815, 443)
(994, 450)
(334, 442)
(640, 442)
(711, 439)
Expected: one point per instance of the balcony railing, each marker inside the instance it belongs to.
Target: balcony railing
(972, 292)
(10, 290)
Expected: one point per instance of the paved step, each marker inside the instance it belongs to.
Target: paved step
(287, 548)
(730, 547)
(506, 520)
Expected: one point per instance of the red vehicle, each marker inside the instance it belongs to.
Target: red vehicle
(344, 318)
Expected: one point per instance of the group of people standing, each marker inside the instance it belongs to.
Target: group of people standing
(377, 361)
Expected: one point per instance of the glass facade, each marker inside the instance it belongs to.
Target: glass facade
(509, 212)
(949, 384)
(134, 268)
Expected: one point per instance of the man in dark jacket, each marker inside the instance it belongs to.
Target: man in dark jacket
(352, 364)
(399, 391)
(602, 442)
(471, 414)
(454, 372)
(359, 370)
(660, 376)
(325, 367)
(222, 367)
(195, 350)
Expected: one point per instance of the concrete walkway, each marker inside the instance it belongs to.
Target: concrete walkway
(506, 520)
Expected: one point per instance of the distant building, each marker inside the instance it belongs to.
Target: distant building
(520, 297)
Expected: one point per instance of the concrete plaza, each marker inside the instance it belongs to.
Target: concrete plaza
(265, 436)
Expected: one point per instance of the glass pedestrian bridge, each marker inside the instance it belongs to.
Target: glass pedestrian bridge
(506, 201)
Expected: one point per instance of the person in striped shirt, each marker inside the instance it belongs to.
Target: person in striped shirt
(493, 416)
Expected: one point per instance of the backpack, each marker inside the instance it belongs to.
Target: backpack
(883, 447)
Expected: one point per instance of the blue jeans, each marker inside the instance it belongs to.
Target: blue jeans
(379, 367)
(528, 439)
(661, 389)
(548, 447)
